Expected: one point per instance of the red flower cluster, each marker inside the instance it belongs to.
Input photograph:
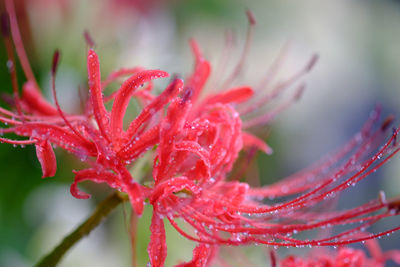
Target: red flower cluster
(196, 143)
(344, 257)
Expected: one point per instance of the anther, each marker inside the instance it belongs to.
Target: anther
(89, 39)
(299, 92)
(56, 59)
(394, 134)
(251, 17)
(387, 122)
(5, 25)
(187, 95)
(394, 205)
(6, 98)
(312, 62)
(174, 82)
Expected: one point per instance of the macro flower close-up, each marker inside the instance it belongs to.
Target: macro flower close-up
(166, 141)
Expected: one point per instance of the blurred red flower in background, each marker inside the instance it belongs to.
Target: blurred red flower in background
(344, 257)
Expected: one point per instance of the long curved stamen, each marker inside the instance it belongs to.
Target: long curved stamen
(217, 79)
(246, 49)
(56, 58)
(270, 115)
(19, 46)
(5, 27)
(17, 142)
(274, 68)
(281, 86)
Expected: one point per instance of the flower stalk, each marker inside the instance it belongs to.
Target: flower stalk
(101, 212)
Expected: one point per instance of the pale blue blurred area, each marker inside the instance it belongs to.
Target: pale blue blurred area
(358, 43)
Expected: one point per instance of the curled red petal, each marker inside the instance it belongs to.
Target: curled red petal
(46, 157)
(203, 254)
(78, 193)
(123, 97)
(235, 95)
(93, 175)
(250, 140)
(33, 101)
(196, 149)
(57, 135)
(119, 73)
(200, 73)
(136, 147)
(170, 128)
(170, 186)
(159, 102)
(157, 248)
(133, 189)
(136, 197)
(96, 96)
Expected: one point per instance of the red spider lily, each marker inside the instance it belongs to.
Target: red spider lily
(345, 257)
(197, 148)
(198, 141)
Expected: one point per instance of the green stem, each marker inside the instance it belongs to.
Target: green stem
(102, 210)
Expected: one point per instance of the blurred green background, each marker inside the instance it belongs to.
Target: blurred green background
(359, 47)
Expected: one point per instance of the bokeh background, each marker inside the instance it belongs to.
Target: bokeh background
(359, 47)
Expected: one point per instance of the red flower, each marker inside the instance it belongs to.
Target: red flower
(344, 257)
(198, 141)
